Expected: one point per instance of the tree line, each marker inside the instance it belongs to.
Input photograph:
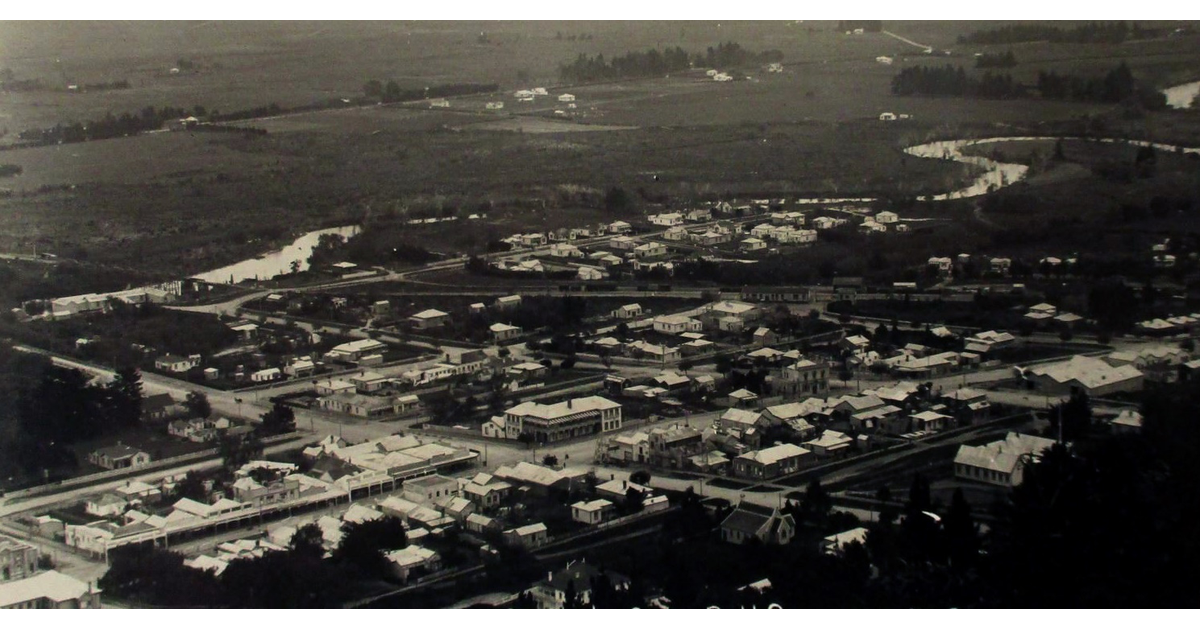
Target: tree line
(1115, 86)
(996, 60)
(654, 62)
(391, 92)
(1092, 33)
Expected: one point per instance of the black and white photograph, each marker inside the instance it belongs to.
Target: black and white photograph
(662, 307)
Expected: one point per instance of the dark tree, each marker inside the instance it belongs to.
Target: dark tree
(237, 450)
(962, 535)
(192, 487)
(197, 404)
(640, 477)
(363, 544)
(308, 540)
(816, 503)
(617, 200)
(279, 420)
(634, 501)
(125, 397)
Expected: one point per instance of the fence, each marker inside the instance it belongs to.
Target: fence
(86, 480)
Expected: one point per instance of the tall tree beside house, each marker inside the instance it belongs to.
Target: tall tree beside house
(125, 397)
(634, 501)
(197, 404)
(279, 420)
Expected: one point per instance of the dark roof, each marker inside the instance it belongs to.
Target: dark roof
(848, 282)
(334, 467)
(748, 518)
(117, 451)
(157, 402)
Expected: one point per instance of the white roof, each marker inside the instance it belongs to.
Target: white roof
(831, 439)
(741, 416)
(411, 555)
(430, 313)
(793, 410)
(732, 307)
(193, 507)
(563, 409)
(498, 327)
(1087, 371)
(774, 454)
(1129, 418)
(1002, 455)
(51, 585)
(592, 506)
(673, 319)
(361, 514)
(529, 529)
(743, 394)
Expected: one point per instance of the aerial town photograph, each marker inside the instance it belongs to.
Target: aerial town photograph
(674, 313)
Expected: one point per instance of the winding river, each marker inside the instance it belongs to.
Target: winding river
(995, 176)
(1000, 174)
(274, 263)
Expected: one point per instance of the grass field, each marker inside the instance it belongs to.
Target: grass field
(185, 202)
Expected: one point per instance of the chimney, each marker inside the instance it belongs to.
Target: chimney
(549, 576)
(568, 403)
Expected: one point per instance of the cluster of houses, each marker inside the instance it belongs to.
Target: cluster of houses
(1168, 327)
(1043, 315)
(98, 303)
(754, 441)
(245, 363)
(945, 266)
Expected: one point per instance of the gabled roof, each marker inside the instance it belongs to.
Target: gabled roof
(741, 416)
(1002, 455)
(750, 518)
(50, 585)
(430, 314)
(774, 454)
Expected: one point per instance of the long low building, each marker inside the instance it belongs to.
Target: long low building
(771, 462)
(1093, 376)
(1001, 462)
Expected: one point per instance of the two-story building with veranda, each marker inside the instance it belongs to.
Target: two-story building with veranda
(564, 420)
(805, 376)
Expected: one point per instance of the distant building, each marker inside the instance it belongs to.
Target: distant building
(429, 319)
(119, 456)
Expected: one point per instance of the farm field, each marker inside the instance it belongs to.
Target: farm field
(180, 203)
